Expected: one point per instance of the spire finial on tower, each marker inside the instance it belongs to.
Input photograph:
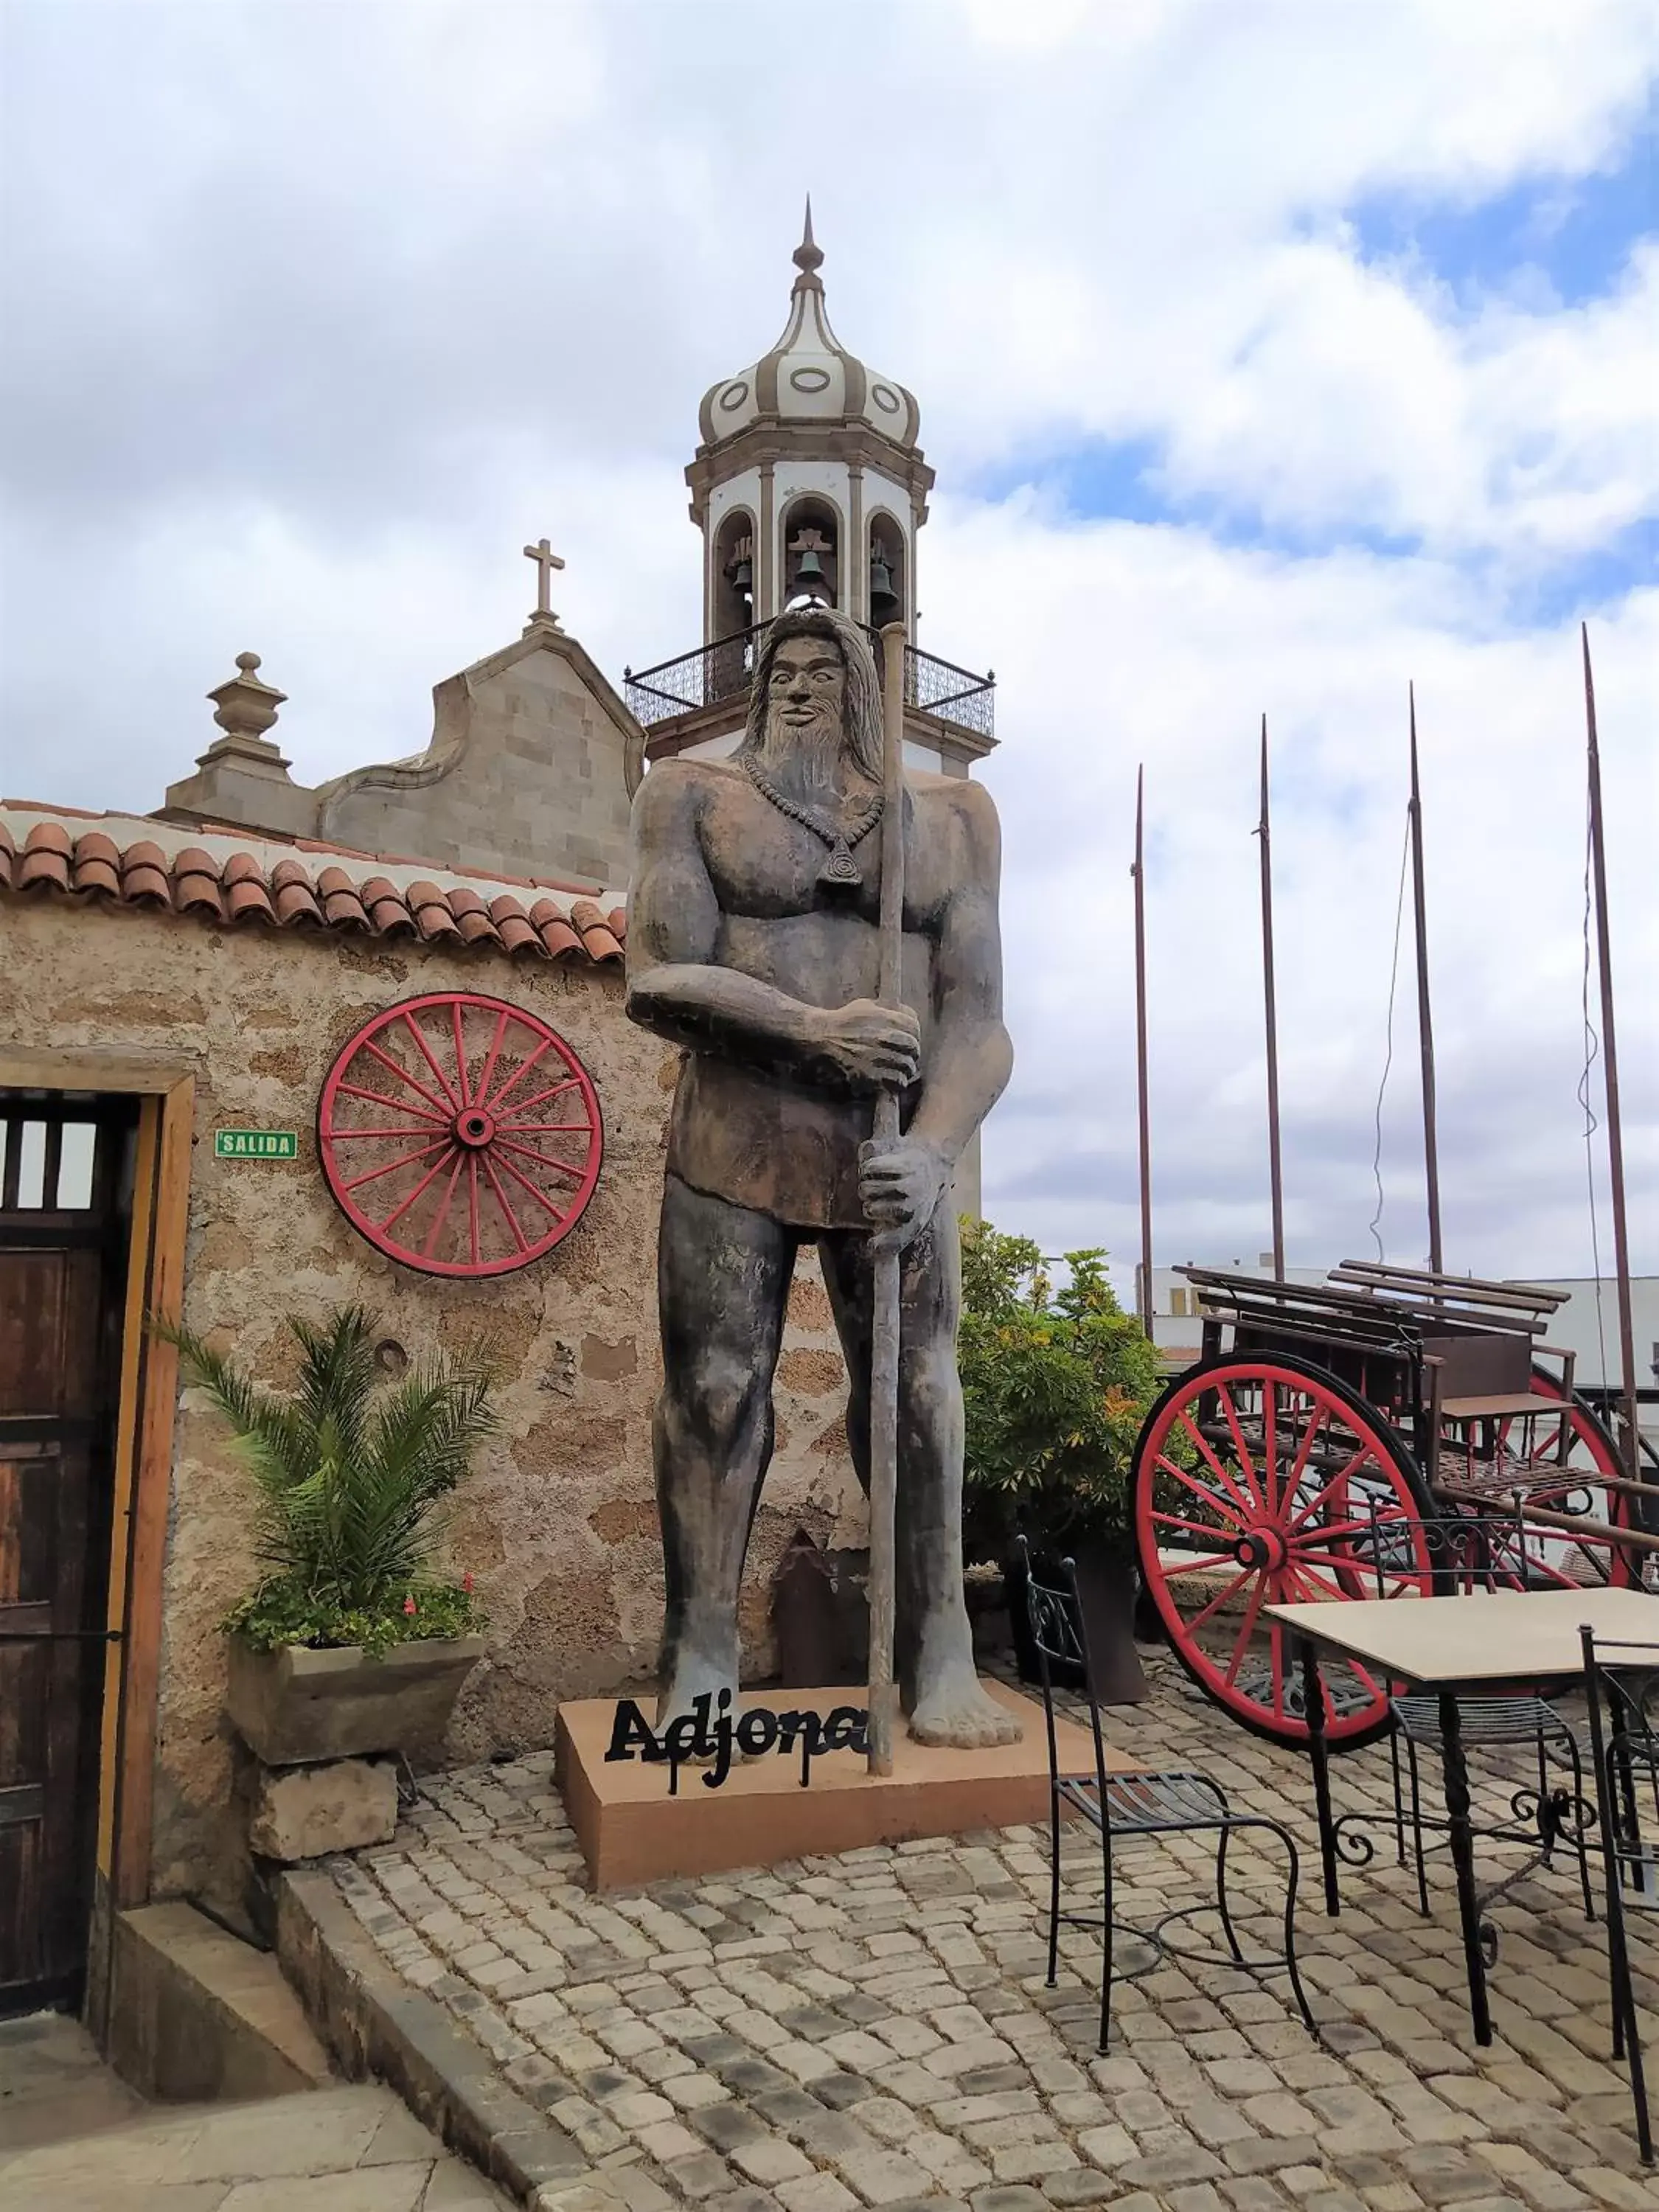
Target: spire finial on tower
(806, 257)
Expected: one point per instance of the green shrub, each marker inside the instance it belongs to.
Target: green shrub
(1055, 1383)
(352, 1472)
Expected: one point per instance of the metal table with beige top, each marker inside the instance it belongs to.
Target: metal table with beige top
(1452, 1646)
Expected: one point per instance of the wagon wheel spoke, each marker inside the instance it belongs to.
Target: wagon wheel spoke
(540, 1197)
(403, 1204)
(1238, 1519)
(1216, 1469)
(379, 1099)
(407, 1159)
(1246, 1465)
(429, 1243)
(1247, 1628)
(529, 1105)
(545, 1159)
(431, 1060)
(403, 1076)
(512, 1219)
(460, 1050)
(530, 1060)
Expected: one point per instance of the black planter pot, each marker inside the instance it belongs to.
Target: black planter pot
(1106, 1589)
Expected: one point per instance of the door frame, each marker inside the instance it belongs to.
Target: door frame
(146, 1405)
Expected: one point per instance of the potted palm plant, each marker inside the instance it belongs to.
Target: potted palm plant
(1056, 1380)
(350, 1643)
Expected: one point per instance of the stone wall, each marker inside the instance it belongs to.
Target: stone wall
(559, 1523)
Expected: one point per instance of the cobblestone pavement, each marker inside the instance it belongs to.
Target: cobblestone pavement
(873, 2029)
(74, 2138)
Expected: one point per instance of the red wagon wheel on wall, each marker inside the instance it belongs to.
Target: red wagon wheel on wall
(459, 1134)
(1259, 1481)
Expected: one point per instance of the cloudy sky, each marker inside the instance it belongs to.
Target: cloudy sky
(1272, 353)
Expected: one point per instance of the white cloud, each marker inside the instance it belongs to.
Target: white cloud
(321, 312)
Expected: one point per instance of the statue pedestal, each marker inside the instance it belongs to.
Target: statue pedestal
(632, 1831)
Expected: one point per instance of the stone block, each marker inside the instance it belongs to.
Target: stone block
(309, 1811)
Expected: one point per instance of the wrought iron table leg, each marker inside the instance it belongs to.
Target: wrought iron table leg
(1462, 1854)
(1313, 1696)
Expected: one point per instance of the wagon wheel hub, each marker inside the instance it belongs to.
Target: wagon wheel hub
(474, 1128)
(1262, 1546)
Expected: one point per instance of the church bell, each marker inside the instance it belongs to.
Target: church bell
(884, 600)
(809, 575)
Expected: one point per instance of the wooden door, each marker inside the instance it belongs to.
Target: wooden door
(62, 1167)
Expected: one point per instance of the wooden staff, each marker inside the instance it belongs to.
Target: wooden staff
(1424, 1018)
(1138, 874)
(1610, 1078)
(1275, 1165)
(885, 1319)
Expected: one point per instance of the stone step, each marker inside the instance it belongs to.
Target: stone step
(197, 2014)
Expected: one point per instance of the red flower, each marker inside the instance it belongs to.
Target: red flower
(409, 1606)
(467, 1583)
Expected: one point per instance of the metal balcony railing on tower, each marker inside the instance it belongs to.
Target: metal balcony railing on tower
(726, 669)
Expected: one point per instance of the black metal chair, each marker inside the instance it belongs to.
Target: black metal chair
(1621, 1683)
(1169, 1801)
(1466, 1553)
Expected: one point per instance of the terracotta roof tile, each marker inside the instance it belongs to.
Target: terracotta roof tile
(595, 934)
(240, 888)
(342, 908)
(558, 939)
(97, 864)
(513, 925)
(45, 862)
(384, 903)
(144, 876)
(293, 897)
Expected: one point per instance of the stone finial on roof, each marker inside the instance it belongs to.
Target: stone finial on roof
(245, 708)
(807, 256)
(242, 776)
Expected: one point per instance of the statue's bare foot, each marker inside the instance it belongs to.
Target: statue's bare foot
(693, 1675)
(953, 1710)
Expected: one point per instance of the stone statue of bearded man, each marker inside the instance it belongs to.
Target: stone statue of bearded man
(753, 942)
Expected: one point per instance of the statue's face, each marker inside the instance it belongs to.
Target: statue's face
(807, 689)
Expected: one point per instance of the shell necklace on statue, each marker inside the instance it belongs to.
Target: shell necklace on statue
(841, 868)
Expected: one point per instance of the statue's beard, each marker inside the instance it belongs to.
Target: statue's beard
(806, 757)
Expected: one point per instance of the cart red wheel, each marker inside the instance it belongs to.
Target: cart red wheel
(1262, 1479)
(459, 1134)
(1525, 1454)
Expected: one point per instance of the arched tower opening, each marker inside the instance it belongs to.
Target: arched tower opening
(890, 577)
(732, 585)
(811, 547)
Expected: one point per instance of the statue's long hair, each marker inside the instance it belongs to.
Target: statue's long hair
(863, 707)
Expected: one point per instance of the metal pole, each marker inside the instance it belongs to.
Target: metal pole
(1610, 1076)
(1424, 1018)
(885, 1260)
(1145, 1284)
(1275, 1165)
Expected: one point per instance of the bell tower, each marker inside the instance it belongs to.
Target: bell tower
(808, 479)
(808, 483)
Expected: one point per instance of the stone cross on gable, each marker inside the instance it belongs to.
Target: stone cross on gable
(546, 561)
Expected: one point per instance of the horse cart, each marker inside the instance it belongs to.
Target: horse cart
(1324, 1441)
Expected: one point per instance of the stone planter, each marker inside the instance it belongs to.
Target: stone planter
(296, 1706)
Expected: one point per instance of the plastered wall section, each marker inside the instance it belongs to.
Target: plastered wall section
(524, 774)
(559, 1521)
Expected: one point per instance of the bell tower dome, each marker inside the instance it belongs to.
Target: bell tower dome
(808, 482)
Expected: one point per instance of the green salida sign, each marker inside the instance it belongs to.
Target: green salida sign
(256, 1144)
